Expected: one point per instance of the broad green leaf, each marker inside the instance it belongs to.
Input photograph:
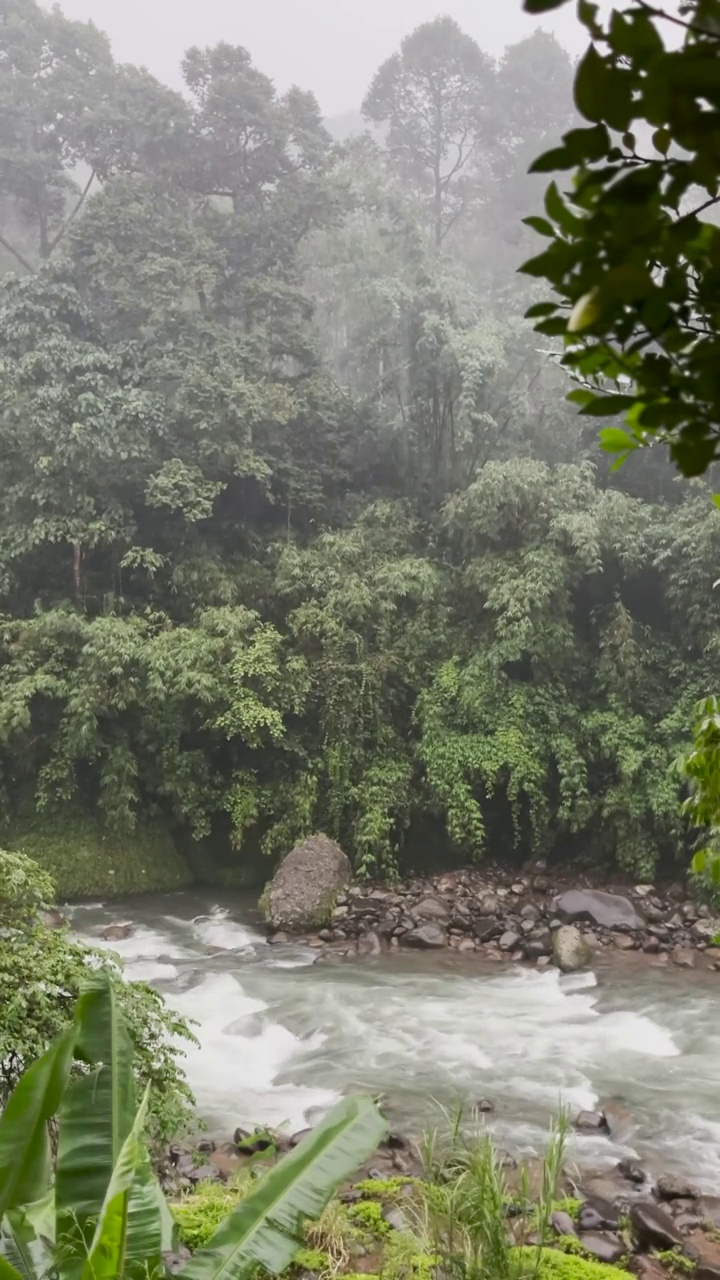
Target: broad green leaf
(541, 225)
(541, 6)
(607, 406)
(24, 1140)
(615, 440)
(266, 1226)
(107, 1255)
(97, 1114)
(585, 312)
(591, 86)
(8, 1272)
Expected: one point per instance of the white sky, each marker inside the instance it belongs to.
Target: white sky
(332, 47)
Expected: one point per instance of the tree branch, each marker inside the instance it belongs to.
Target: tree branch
(678, 22)
(17, 255)
(54, 243)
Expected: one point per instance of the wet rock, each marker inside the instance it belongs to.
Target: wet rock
(427, 936)
(486, 928)
(562, 1223)
(466, 944)
(395, 1218)
(518, 888)
(619, 1121)
(370, 944)
(632, 1172)
(570, 950)
(623, 942)
(297, 1138)
(672, 1187)
(275, 938)
(683, 958)
(396, 1142)
(509, 941)
(251, 1144)
(651, 946)
(485, 1105)
(118, 931)
(531, 912)
(603, 1245)
(205, 1173)
(610, 910)
(646, 1268)
(591, 1122)
(653, 1227)
(431, 909)
(303, 892)
(597, 1215)
(536, 949)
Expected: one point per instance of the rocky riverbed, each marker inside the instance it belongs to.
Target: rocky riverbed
(530, 918)
(656, 1227)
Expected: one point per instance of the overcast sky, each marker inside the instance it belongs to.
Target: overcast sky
(330, 46)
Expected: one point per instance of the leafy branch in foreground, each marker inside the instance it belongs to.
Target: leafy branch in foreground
(104, 1215)
(634, 257)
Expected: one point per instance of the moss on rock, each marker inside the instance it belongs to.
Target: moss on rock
(87, 860)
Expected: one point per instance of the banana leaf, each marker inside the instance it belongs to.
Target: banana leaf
(96, 1116)
(108, 1250)
(24, 1138)
(265, 1228)
(7, 1270)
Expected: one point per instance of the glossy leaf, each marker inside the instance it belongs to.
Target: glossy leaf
(97, 1114)
(107, 1255)
(24, 1137)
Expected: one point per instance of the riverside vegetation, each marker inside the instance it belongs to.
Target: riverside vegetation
(295, 534)
(297, 531)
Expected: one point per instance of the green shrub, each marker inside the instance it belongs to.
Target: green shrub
(41, 974)
(554, 1265)
(88, 860)
(368, 1216)
(199, 1214)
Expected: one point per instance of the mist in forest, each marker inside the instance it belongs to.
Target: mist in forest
(299, 531)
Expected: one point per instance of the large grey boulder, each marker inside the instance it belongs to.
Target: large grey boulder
(303, 892)
(570, 949)
(610, 910)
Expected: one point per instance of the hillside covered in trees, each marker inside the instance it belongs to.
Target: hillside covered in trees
(298, 531)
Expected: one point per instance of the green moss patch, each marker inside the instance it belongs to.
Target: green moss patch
(86, 860)
(199, 1214)
(555, 1265)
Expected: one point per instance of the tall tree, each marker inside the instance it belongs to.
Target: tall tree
(54, 75)
(435, 96)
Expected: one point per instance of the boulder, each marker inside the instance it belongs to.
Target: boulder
(303, 892)
(570, 950)
(591, 1122)
(653, 1227)
(431, 909)
(562, 1223)
(671, 1187)
(683, 958)
(117, 932)
(609, 910)
(370, 944)
(632, 1172)
(426, 935)
(509, 941)
(598, 1215)
(603, 1245)
(485, 928)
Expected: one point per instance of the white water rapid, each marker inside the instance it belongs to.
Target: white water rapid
(282, 1036)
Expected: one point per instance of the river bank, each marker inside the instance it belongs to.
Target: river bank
(285, 1029)
(500, 916)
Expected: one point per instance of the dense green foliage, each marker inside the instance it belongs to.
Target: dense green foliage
(42, 972)
(297, 530)
(100, 1211)
(635, 249)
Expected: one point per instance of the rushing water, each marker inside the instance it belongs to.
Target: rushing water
(282, 1036)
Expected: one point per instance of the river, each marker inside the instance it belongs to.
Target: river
(283, 1034)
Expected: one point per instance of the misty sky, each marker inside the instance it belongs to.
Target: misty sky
(330, 46)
